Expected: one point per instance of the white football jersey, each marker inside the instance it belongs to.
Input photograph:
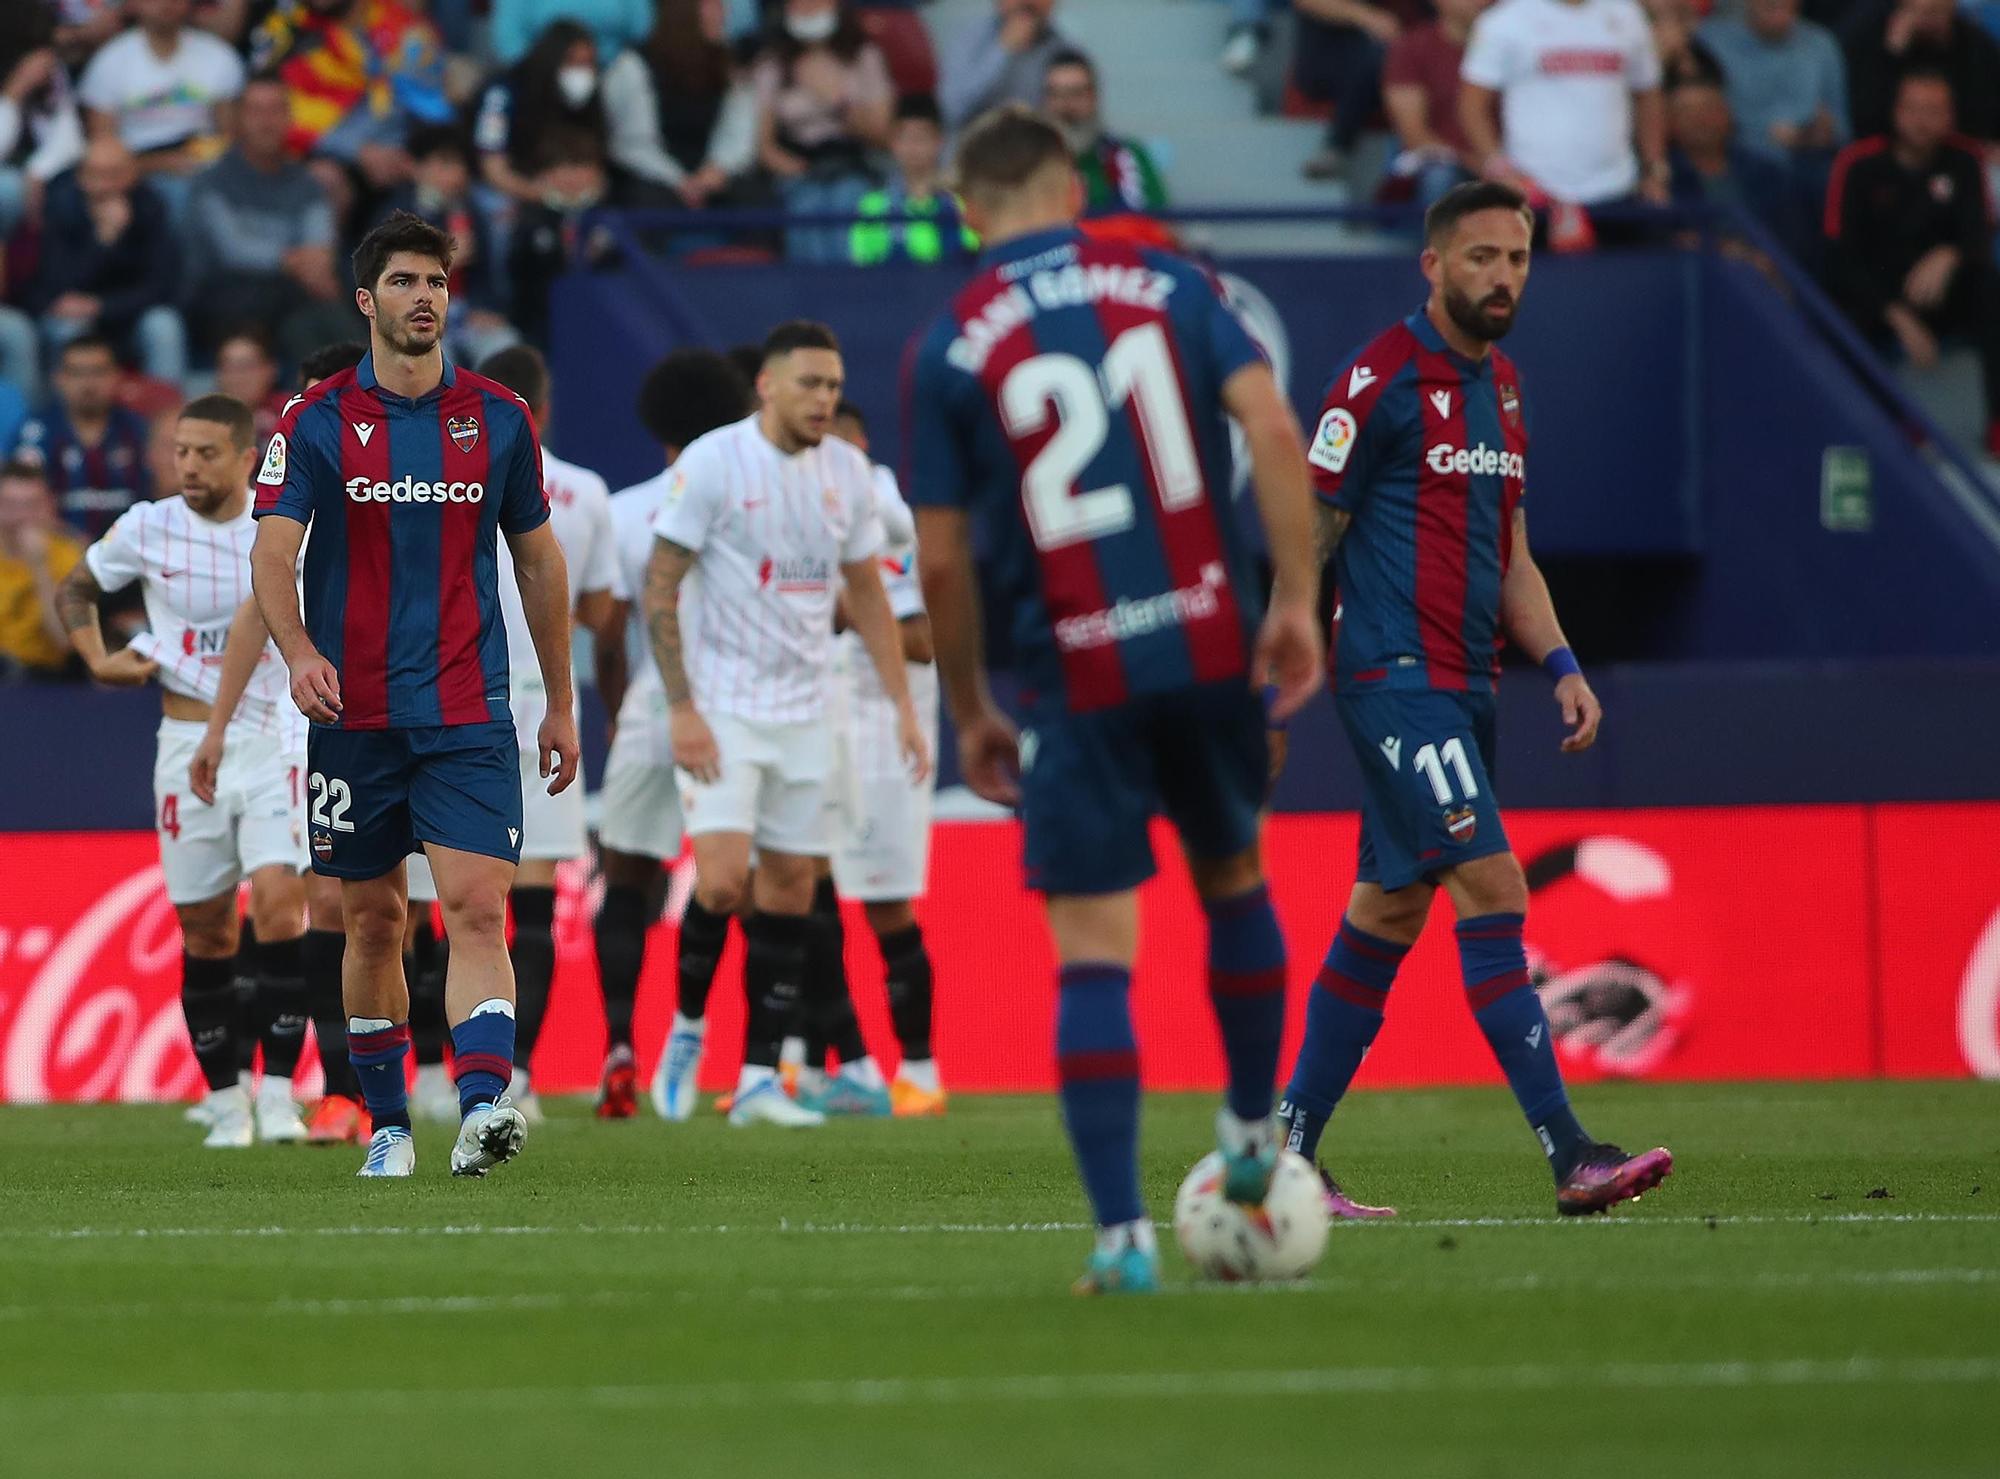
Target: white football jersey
(194, 573)
(770, 533)
(899, 547)
(632, 513)
(580, 515)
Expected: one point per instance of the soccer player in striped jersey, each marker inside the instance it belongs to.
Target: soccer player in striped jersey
(1077, 394)
(190, 555)
(408, 470)
(1420, 459)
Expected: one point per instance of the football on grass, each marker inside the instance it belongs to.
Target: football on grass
(1282, 1239)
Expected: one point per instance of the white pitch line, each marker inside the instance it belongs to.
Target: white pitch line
(980, 1229)
(1146, 1386)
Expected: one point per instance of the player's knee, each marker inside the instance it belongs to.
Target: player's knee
(724, 895)
(208, 929)
(477, 914)
(890, 917)
(1491, 885)
(1395, 916)
(626, 870)
(277, 904)
(1225, 878)
(374, 920)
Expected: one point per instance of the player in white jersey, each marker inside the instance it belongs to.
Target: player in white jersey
(191, 557)
(689, 393)
(760, 518)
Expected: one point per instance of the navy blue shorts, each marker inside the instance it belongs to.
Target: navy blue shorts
(1091, 783)
(1427, 769)
(374, 795)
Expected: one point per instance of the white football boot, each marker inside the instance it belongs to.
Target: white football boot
(434, 1096)
(491, 1135)
(229, 1123)
(392, 1151)
(762, 1100)
(278, 1118)
(673, 1088)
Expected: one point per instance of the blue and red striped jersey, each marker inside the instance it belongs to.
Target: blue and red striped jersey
(1428, 451)
(1071, 397)
(405, 500)
(93, 482)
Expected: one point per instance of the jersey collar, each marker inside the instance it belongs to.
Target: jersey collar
(1033, 244)
(364, 378)
(1420, 325)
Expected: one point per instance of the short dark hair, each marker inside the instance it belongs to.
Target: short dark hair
(797, 333)
(87, 341)
(690, 393)
(24, 469)
(919, 107)
(748, 359)
(848, 411)
(249, 333)
(223, 410)
(330, 359)
(440, 138)
(1003, 150)
(1469, 199)
(521, 368)
(401, 232)
(1069, 56)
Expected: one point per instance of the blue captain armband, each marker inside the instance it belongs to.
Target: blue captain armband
(1560, 664)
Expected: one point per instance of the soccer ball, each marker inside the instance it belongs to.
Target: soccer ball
(1282, 1239)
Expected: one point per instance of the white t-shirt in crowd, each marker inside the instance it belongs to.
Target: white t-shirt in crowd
(769, 533)
(160, 103)
(1566, 73)
(580, 515)
(194, 573)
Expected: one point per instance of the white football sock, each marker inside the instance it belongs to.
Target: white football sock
(753, 1076)
(919, 1073)
(863, 1071)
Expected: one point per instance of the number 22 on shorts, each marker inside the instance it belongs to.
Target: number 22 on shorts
(330, 801)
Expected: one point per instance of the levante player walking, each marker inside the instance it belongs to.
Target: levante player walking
(1420, 462)
(1078, 394)
(408, 470)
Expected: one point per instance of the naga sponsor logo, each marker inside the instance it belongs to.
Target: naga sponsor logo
(794, 576)
(1479, 460)
(407, 489)
(205, 643)
(1130, 618)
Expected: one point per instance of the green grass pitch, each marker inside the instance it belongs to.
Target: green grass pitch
(1815, 1292)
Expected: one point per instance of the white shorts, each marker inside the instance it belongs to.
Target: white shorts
(640, 812)
(423, 887)
(878, 819)
(552, 827)
(258, 820)
(772, 787)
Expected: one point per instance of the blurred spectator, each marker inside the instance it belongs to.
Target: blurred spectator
(1576, 83)
(1420, 95)
(361, 73)
(109, 263)
(824, 104)
(1683, 56)
(1913, 240)
(260, 239)
(92, 448)
(1894, 37)
(1118, 174)
(36, 553)
(84, 25)
(612, 24)
(167, 90)
(917, 145)
(1786, 80)
(570, 178)
(1337, 58)
(682, 119)
(441, 193)
(1713, 166)
(1249, 30)
(41, 132)
(13, 416)
(1000, 60)
(245, 370)
(554, 87)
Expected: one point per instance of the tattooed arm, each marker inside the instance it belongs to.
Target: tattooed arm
(693, 745)
(76, 604)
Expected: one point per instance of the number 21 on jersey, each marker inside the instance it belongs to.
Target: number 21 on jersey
(1138, 370)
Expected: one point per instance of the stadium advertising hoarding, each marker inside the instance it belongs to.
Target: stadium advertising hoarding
(1796, 942)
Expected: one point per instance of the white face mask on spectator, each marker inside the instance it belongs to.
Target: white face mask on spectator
(808, 29)
(577, 85)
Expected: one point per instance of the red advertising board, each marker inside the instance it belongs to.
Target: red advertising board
(1758, 942)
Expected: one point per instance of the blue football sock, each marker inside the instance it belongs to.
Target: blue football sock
(1504, 1003)
(1343, 1014)
(482, 1054)
(1097, 1065)
(1246, 986)
(378, 1049)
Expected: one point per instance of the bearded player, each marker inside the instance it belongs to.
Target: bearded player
(1420, 462)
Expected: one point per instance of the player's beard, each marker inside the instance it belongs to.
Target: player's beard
(1474, 319)
(415, 342)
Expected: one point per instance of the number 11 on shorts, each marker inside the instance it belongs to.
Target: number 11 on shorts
(1430, 763)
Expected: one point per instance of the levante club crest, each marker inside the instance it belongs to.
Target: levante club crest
(1461, 824)
(464, 431)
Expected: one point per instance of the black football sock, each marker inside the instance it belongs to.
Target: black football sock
(208, 1001)
(423, 970)
(829, 1005)
(248, 1014)
(281, 1005)
(622, 923)
(906, 964)
(321, 954)
(773, 972)
(533, 952)
(701, 940)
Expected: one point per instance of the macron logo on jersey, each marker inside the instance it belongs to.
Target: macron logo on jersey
(363, 430)
(411, 490)
(1481, 459)
(1358, 380)
(1442, 400)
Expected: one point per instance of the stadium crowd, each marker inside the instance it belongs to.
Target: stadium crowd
(181, 180)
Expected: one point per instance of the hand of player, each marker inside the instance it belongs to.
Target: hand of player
(916, 748)
(1290, 655)
(694, 745)
(560, 749)
(316, 688)
(203, 768)
(1581, 712)
(989, 757)
(125, 669)
(1930, 280)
